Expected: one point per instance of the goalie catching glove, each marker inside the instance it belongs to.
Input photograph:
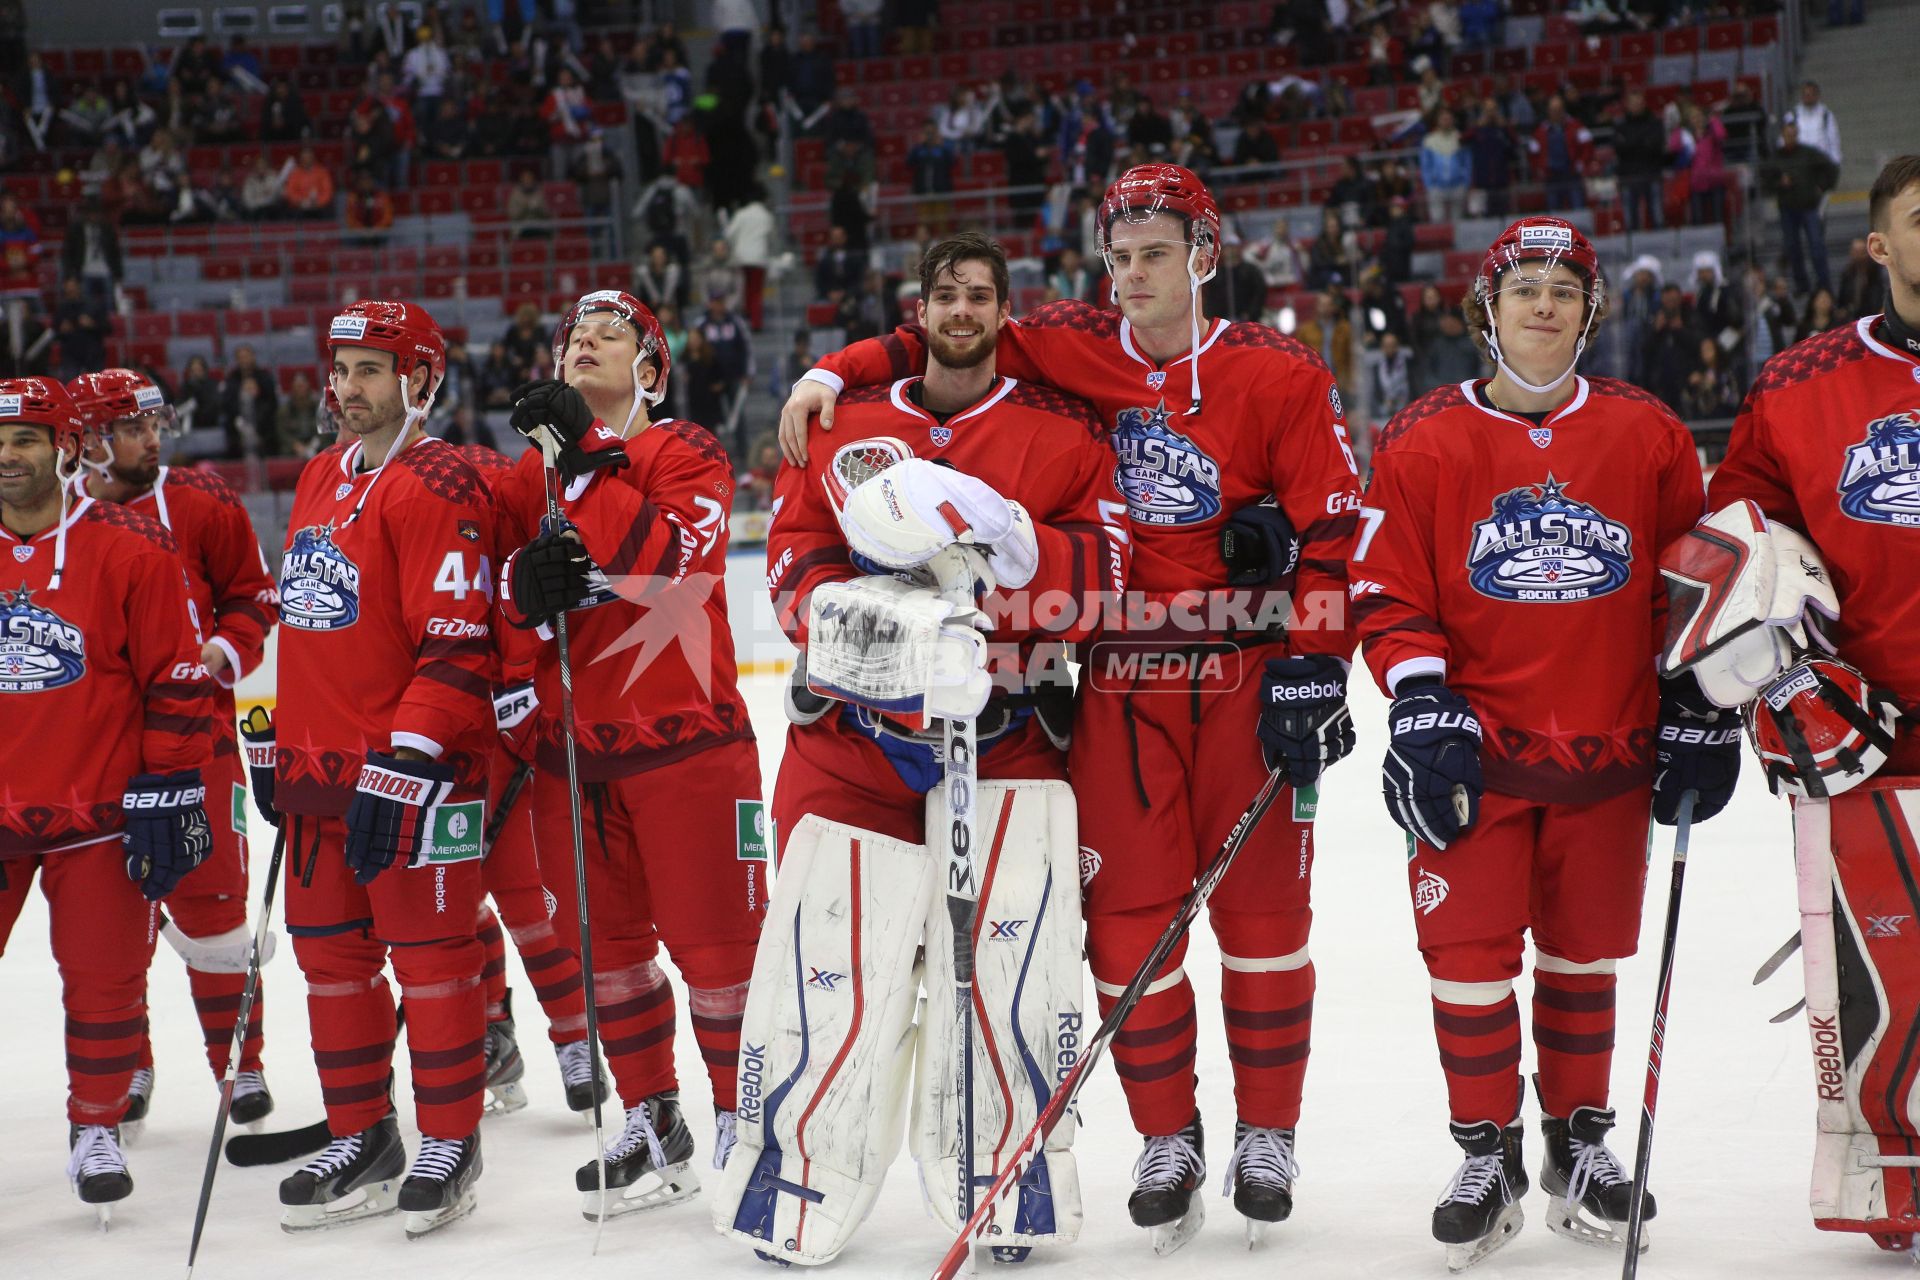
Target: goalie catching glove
(897, 648)
(909, 513)
(392, 807)
(167, 833)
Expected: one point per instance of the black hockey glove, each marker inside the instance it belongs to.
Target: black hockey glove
(388, 819)
(1260, 547)
(1431, 775)
(1304, 722)
(547, 576)
(1698, 751)
(167, 833)
(256, 741)
(551, 407)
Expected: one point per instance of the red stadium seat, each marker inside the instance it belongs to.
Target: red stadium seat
(197, 324)
(245, 324)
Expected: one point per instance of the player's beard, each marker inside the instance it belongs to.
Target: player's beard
(141, 476)
(950, 355)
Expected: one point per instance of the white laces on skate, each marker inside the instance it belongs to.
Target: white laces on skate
(248, 1082)
(1166, 1161)
(1592, 1162)
(94, 1152)
(1473, 1179)
(576, 1064)
(726, 1132)
(1263, 1156)
(438, 1158)
(340, 1153)
(142, 1085)
(639, 1129)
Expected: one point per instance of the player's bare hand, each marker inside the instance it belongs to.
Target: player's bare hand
(214, 658)
(808, 398)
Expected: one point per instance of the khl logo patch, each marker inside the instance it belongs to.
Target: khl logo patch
(1539, 545)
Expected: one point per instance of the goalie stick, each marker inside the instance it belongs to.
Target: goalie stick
(1022, 1156)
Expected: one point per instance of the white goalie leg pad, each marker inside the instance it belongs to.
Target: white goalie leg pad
(826, 1043)
(1028, 1014)
(897, 648)
(220, 953)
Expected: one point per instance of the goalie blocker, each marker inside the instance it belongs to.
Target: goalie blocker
(830, 1035)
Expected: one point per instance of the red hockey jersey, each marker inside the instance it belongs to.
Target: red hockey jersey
(1036, 446)
(386, 604)
(1828, 442)
(653, 667)
(1521, 563)
(99, 680)
(1272, 426)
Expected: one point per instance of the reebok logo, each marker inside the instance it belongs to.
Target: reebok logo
(753, 1069)
(1828, 1070)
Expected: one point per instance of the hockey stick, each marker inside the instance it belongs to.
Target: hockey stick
(1657, 1041)
(550, 444)
(1023, 1155)
(247, 995)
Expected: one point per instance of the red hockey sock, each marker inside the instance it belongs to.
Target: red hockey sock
(446, 1033)
(103, 1048)
(216, 999)
(1573, 1033)
(350, 1011)
(635, 1005)
(1480, 1053)
(552, 967)
(493, 972)
(1153, 1055)
(1269, 1024)
(716, 1026)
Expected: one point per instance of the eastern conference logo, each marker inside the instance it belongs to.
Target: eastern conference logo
(319, 585)
(38, 648)
(1539, 545)
(1880, 476)
(1166, 478)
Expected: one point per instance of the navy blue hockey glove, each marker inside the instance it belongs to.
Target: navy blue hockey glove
(548, 576)
(549, 406)
(1431, 775)
(167, 833)
(1260, 547)
(1698, 750)
(256, 741)
(1304, 722)
(392, 806)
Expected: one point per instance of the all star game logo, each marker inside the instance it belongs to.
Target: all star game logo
(1541, 546)
(1880, 476)
(1167, 479)
(39, 649)
(319, 586)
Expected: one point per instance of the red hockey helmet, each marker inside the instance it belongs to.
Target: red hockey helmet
(1820, 728)
(42, 402)
(106, 397)
(406, 331)
(650, 338)
(1547, 241)
(1147, 189)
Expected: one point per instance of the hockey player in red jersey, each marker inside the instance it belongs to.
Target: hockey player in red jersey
(108, 731)
(384, 730)
(670, 779)
(234, 603)
(1827, 444)
(511, 873)
(1223, 505)
(1507, 598)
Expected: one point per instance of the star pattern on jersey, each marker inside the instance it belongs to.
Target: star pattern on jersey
(672, 614)
(1822, 353)
(20, 599)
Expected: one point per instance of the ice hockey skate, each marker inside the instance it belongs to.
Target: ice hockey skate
(1480, 1209)
(583, 1084)
(139, 1100)
(649, 1165)
(506, 1069)
(251, 1102)
(97, 1168)
(726, 1135)
(356, 1177)
(1169, 1173)
(1591, 1195)
(1260, 1177)
(439, 1187)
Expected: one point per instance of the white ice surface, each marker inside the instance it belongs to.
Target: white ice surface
(1730, 1162)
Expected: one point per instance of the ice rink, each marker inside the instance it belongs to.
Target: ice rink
(1730, 1163)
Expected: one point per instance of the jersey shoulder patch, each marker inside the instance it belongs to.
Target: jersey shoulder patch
(1050, 400)
(1620, 390)
(1808, 358)
(1072, 313)
(875, 393)
(1430, 405)
(206, 482)
(1244, 333)
(115, 516)
(444, 473)
(488, 462)
(695, 437)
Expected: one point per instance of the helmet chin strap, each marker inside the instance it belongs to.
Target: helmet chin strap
(1194, 281)
(1499, 359)
(64, 477)
(641, 395)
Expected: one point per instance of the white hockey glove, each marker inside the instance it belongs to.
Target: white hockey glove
(904, 516)
(897, 648)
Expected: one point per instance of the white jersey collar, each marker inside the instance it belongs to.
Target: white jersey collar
(898, 394)
(1864, 327)
(1218, 327)
(1472, 392)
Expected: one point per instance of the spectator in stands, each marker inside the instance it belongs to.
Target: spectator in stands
(695, 385)
(719, 274)
(1672, 349)
(868, 310)
(1389, 389)
(406, 127)
(961, 121)
(132, 121)
(309, 187)
(371, 149)
(19, 274)
(1380, 309)
(749, 233)
(1238, 290)
(1633, 314)
(1070, 277)
(86, 115)
(241, 66)
(686, 155)
(260, 195)
(498, 378)
(462, 381)
(755, 487)
(465, 426)
(864, 34)
(930, 173)
(1711, 391)
(1335, 258)
(811, 81)
(249, 419)
(1778, 315)
(90, 252)
(597, 172)
(1423, 325)
(1814, 120)
(1255, 146)
(1640, 157)
(218, 119)
(1561, 148)
(1861, 292)
(1449, 358)
(1148, 127)
(246, 365)
(568, 116)
(194, 66)
(1278, 257)
(527, 211)
(839, 269)
(446, 135)
(1446, 169)
(162, 167)
(848, 211)
(199, 403)
(1718, 310)
(1330, 333)
(425, 71)
(369, 212)
(660, 281)
(1396, 253)
(1821, 313)
(1746, 126)
(283, 116)
(663, 41)
(218, 201)
(1799, 177)
(298, 422)
(1353, 194)
(81, 324)
(523, 342)
(726, 332)
(1708, 173)
(1027, 155)
(1492, 148)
